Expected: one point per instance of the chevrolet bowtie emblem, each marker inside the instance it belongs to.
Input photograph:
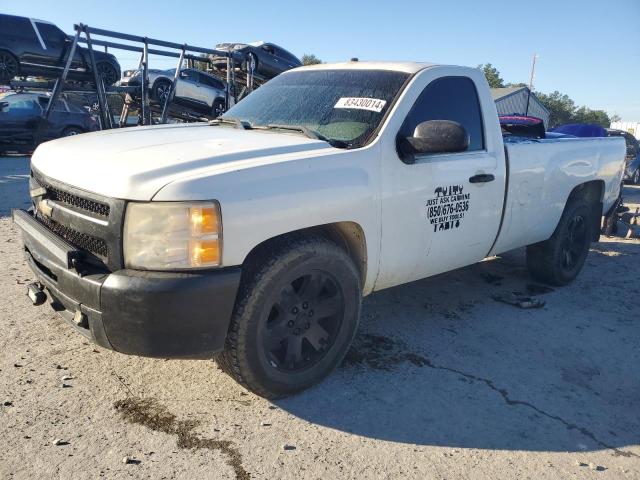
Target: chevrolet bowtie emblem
(45, 208)
(38, 192)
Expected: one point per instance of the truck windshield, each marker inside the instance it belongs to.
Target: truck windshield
(341, 106)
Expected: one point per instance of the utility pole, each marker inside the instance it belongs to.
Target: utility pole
(533, 73)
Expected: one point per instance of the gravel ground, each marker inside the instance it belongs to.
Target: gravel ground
(443, 382)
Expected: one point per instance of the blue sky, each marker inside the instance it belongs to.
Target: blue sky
(588, 49)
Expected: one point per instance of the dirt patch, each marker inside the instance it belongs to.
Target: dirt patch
(380, 353)
(152, 415)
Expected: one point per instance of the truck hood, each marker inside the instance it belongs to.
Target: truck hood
(135, 163)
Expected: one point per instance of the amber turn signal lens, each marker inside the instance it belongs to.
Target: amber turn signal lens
(204, 220)
(205, 252)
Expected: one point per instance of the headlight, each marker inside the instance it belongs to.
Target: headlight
(172, 235)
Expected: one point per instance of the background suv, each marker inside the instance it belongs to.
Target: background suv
(35, 47)
(269, 59)
(21, 117)
(195, 89)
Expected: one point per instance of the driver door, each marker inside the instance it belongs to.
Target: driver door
(443, 211)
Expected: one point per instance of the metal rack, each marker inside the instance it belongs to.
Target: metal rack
(238, 83)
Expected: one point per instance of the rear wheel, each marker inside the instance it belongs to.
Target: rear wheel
(9, 67)
(295, 317)
(71, 131)
(559, 260)
(108, 73)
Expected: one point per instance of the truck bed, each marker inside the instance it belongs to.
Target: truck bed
(542, 174)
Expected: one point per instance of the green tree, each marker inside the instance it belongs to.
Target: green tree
(560, 106)
(615, 118)
(594, 117)
(493, 75)
(310, 59)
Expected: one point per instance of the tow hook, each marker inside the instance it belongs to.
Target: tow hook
(35, 292)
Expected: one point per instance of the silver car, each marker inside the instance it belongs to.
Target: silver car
(195, 89)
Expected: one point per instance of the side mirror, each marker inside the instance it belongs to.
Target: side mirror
(433, 136)
(4, 106)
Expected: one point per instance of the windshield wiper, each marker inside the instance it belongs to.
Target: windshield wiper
(236, 122)
(307, 132)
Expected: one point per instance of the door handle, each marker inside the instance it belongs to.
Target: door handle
(482, 178)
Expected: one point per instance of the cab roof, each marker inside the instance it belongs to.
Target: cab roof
(407, 67)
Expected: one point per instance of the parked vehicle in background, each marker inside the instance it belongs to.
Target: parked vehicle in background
(255, 236)
(268, 59)
(582, 130)
(21, 118)
(558, 135)
(632, 159)
(521, 126)
(195, 89)
(35, 47)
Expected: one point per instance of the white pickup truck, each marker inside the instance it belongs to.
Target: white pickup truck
(253, 239)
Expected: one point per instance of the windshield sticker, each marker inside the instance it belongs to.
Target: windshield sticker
(446, 210)
(361, 103)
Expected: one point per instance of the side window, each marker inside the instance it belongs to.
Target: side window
(51, 35)
(211, 82)
(190, 75)
(23, 106)
(17, 28)
(449, 98)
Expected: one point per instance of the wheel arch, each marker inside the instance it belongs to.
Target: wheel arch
(348, 236)
(593, 193)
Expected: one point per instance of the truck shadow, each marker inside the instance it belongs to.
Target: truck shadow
(440, 362)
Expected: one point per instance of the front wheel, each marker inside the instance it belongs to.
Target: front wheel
(558, 261)
(295, 317)
(161, 90)
(218, 108)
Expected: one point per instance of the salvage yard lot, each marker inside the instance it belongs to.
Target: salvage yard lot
(442, 382)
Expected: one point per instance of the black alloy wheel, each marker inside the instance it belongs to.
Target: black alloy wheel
(108, 73)
(574, 242)
(303, 322)
(8, 67)
(163, 89)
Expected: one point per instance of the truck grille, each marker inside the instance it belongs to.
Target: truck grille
(90, 222)
(97, 246)
(72, 200)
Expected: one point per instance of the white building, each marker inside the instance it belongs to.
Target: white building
(632, 127)
(513, 100)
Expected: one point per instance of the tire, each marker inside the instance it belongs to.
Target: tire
(9, 67)
(277, 344)
(558, 261)
(71, 131)
(161, 90)
(108, 72)
(218, 108)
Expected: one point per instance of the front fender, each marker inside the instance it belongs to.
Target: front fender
(265, 200)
